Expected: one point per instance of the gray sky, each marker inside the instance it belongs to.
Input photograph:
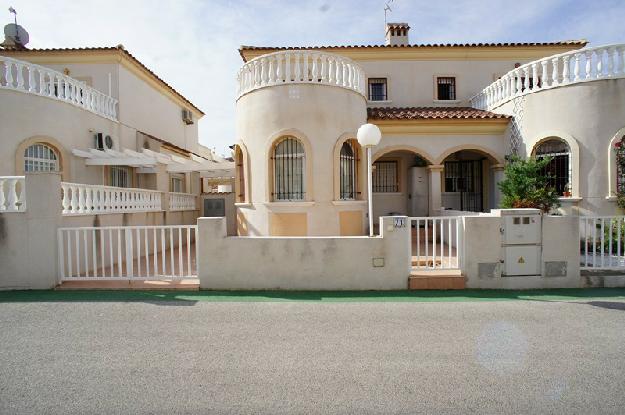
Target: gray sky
(193, 44)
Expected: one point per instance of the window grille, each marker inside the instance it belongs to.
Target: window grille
(289, 162)
(558, 170)
(377, 89)
(40, 157)
(620, 168)
(446, 88)
(348, 170)
(120, 176)
(465, 177)
(385, 177)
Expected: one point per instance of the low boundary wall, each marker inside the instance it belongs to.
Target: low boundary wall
(304, 263)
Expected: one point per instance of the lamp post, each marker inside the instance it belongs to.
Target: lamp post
(369, 136)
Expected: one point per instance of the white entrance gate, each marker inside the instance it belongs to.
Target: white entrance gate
(436, 242)
(127, 252)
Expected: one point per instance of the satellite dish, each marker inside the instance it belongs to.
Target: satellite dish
(15, 34)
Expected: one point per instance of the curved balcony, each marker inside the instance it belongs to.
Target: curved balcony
(584, 65)
(29, 78)
(300, 67)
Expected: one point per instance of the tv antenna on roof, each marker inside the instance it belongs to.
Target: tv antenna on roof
(12, 10)
(387, 8)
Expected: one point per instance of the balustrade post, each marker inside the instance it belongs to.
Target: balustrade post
(565, 69)
(20, 75)
(263, 71)
(526, 79)
(279, 69)
(324, 69)
(599, 73)
(88, 200)
(287, 67)
(545, 73)
(589, 64)
(305, 56)
(297, 75)
(8, 74)
(554, 73)
(315, 67)
(610, 53)
(535, 80)
(576, 69)
(66, 200)
(31, 78)
(272, 72)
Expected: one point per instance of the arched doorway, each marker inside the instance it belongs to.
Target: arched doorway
(468, 181)
(400, 183)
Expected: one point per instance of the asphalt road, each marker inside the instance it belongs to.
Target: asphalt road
(312, 358)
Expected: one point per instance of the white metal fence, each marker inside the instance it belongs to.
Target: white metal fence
(436, 242)
(12, 194)
(127, 252)
(602, 240)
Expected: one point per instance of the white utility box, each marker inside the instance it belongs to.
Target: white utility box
(521, 241)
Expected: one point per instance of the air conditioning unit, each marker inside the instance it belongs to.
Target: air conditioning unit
(187, 117)
(103, 142)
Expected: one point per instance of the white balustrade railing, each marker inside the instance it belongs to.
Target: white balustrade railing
(30, 78)
(436, 242)
(300, 66)
(127, 252)
(181, 201)
(85, 199)
(602, 240)
(12, 194)
(583, 65)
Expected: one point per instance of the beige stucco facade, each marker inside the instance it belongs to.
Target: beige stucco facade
(322, 118)
(590, 118)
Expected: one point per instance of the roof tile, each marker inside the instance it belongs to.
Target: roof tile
(426, 113)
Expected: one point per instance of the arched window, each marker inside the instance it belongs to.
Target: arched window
(240, 174)
(348, 171)
(559, 168)
(288, 168)
(40, 157)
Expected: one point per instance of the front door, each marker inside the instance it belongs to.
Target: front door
(463, 181)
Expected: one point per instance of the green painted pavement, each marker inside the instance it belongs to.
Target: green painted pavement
(312, 296)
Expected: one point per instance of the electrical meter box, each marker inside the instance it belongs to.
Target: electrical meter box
(521, 241)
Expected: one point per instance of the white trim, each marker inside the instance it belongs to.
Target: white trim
(349, 202)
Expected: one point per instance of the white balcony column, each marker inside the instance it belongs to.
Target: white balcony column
(565, 70)
(435, 173)
(576, 69)
(535, 76)
(545, 75)
(498, 176)
(588, 64)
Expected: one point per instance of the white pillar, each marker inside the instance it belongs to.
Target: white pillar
(498, 175)
(435, 171)
(370, 190)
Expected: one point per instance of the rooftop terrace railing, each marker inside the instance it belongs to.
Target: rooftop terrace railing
(584, 65)
(30, 78)
(300, 67)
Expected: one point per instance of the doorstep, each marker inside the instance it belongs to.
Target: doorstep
(190, 284)
(443, 279)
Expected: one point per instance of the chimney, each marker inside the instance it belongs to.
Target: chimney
(397, 34)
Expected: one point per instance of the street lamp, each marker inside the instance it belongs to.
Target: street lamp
(369, 136)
